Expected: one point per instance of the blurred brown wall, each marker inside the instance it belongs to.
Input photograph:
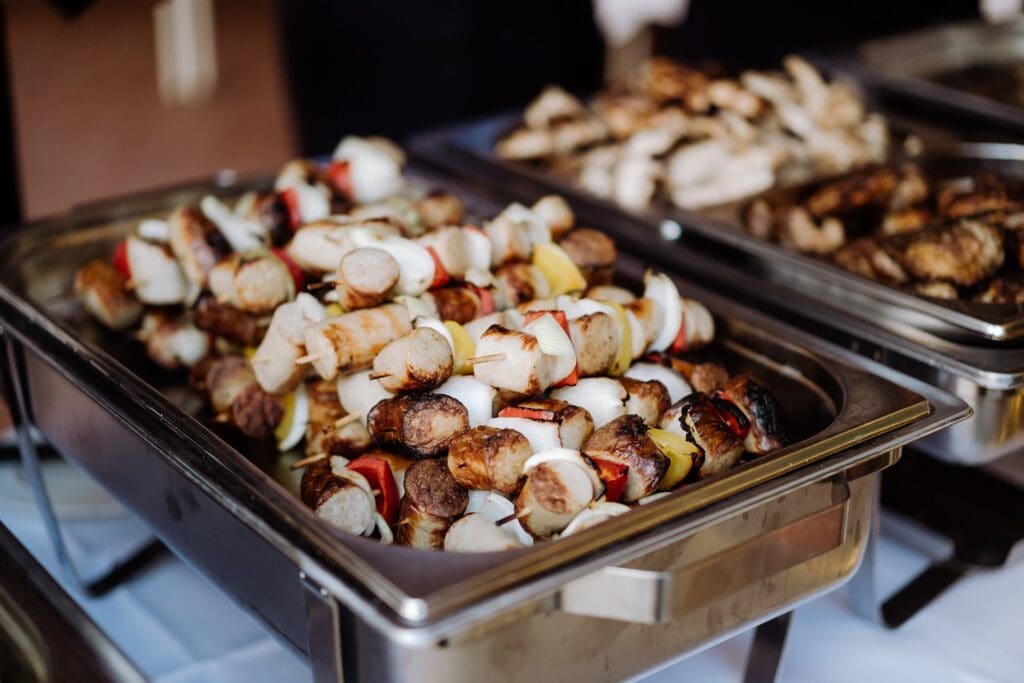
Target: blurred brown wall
(88, 120)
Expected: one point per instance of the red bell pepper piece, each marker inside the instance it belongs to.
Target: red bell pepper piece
(614, 475)
(290, 198)
(731, 415)
(573, 377)
(293, 268)
(529, 413)
(339, 173)
(378, 473)
(679, 343)
(441, 276)
(120, 260)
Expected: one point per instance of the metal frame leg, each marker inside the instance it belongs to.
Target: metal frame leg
(135, 556)
(764, 663)
(863, 587)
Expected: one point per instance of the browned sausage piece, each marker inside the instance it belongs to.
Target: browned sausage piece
(338, 501)
(518, 283)
(489, 459)
(761, 410)
(226, 321)
(440, 208)
(235, 393)
(593, 251)
(422, 425)
(366, 277)
(256, 281)
(351, 341)
(460, 304)
(420, 361)
(430, 486)
(195, 242)
(555, 211)
(575, 424)
(706, 378)
(596, 339)
(625, 440)
(552, 495)
(704, 426)
(322, 436)
(646, 399)
(418, 529)
(105, 294)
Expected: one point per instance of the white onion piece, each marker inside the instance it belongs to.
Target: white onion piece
(554, 342)
(636, 334)
(373, 173)
(495, 507)
(358, 393)
(603, 397)
(154, 230)
(577, 308)
(156, 275)
(659, 288)
(539, 230)
(418, 307)
(477, 397)
(312, 310)
(190, 345)
(386, 537)
(476, 534)
(700, 324)
(241, 233)
(565, 455)
(541, 435)
(594, 515)
(478, 249)
(677, 386)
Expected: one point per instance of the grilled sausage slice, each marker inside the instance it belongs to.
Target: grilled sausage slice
(596, 340)
(225, 321)
(322, 436)
(593, 252)
(234, 392)
(520, 365)
(430, 486)
(518, 283)
(254, 281)
(420, 361)
(274, 361)
(649, 400)
(339, 501)
(625, 440)
(366, 277)
(460, 304)
(418, 529)
(489, 459)
(552, 495)
(574, 423)
(351, 341)
(421, 425)
(172, 342)
(440, 208)
(767, 432)
(474, 533)
(703, 425)
(195, 242)
(105, 294)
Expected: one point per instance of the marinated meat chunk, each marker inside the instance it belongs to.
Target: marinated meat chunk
(964, 253)
(421, 425)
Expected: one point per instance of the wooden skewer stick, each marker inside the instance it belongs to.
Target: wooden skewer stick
(324, 284)
(222, 418)
(299, 464)
(515, 515)
(486, 359)
(308, 358)
(348, 419)
(379, 375)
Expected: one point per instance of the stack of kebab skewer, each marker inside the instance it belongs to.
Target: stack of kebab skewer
(699, 139)
(459, 388)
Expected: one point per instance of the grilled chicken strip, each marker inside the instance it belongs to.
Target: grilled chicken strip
(420, 361)
(255, 281)
(338, 500)
(489, 459)
(552, 495)
(352, 340)
(105, 294)
(234, 392)
(762, 411)
(593, 252)
(322, 434)
(697, 418)
(440, 208)
(433, 498)
(964, 253)
(366, 278)
(226, 321)
(625, 440)
(196, 243)
(421, 425)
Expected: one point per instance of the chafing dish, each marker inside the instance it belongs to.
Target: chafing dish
(668, 578)
(972, 69)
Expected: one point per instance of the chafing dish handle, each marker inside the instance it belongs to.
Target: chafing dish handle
(656, 597)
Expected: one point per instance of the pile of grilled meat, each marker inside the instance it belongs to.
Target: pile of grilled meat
(458, 387)
(955, 238)
(699, 139)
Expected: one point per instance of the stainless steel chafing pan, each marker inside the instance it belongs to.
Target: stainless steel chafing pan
(661, 581)
(472, 145)
(930, 68)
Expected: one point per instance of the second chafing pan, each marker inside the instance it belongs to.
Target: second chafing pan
(917, 68)
(472, 146)
(782, 528)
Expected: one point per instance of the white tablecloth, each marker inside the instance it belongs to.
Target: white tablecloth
(178, 628)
